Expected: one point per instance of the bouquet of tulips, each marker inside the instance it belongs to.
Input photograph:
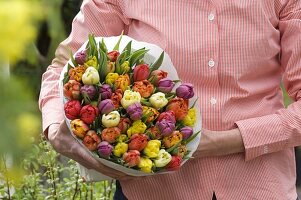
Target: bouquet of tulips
(127, 110)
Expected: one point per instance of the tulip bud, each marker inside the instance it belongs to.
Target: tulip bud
(122, 82)
(186, 132)
(113, 55)
(168, 115)
(104, 149)
(162, 159)
(80, 57)
(88, 90)
(91, 140)
(111, 119)
(190, 118)
(111, 78)
(149, 113)
(181, 151)
(72, 109)
(79, 128)
(106, 106)
(173, 139)
(72, 89)
(105, 91)
(141, 72)
(135, 111)
(152, 148)
(76, 73)
(165, 85)
(131, 158)
(158, 100)
(138, 142)
(145, 165)
(116, 98)
(175, 163)
(138, 127)
(156, 76)
(154, 133)
(130, 97)
(91, 76)
(125, 67)
(166, 127)
(88, 113)
(145, 88)
(110, 134)
(110, 67)
(124, 124)
(92, 62)
(179, 106)
(120, 149)
(185, 91)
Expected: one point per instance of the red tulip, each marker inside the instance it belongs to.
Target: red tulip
(124, 124)
(179, 106)
(156, 76)
(72, 89)
(113, 55)
(131, 158)
(138, 142)
(91, 140)
(168, 115)
(88, 113)
(110, 134)
(175, 163)
(72, 109)
(141, 72)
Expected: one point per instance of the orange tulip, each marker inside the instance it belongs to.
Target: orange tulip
(116, 98)
(179, 106)
(77, 73)
(171, 140)
(145, 88)
(122, 82)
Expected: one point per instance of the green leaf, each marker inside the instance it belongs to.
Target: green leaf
(194, 103)
(103, 47)
(121, 58)
(72, 59)
(116, 47)
(173, 147)
(93, 45)
(128, 48)
(102, 65)
(191, 137)
(157, 63)
(66, 75)
(136, 56)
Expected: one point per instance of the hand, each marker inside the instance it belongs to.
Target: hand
(64, 143)
(218, 143)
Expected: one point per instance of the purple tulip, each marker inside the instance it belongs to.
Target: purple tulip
(80, 57)
(104, 149)
(105, 91)
(89, 90)
(185, 91)
(166, 127)
(186, 132)
(106, 106)
(165, 85)
(135, 111)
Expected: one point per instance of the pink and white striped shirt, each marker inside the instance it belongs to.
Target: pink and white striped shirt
(235, 53)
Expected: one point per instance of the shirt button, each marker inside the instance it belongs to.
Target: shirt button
(211, 63)
(265, 149)
(211, 17)
(213, 100)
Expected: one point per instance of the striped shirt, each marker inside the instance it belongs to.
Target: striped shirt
(235, 53)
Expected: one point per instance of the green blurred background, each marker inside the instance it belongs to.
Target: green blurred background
(29, 168)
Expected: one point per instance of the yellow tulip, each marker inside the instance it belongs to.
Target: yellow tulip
(138, 127)
(145, 165)
(190, 118)
(152, 148)
(120, 149)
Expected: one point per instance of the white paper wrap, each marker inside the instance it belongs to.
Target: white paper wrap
(150, 57)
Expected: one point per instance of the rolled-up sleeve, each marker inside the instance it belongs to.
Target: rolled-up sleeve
(100, 17)
(281, 130)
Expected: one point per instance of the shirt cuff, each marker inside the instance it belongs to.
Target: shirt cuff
(52, 112)
(262, 135)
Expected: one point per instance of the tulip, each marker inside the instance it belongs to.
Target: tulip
(116, 98)
(125, 67)
(165, 85)
(110, 134)
(91, 140)
(105, 91)
(157, 75)
(166, 127)
(152, 148)
(190, 118)
(79, 128)
(80, 57)
(186, 132)
(129, 98)
(89, 90)
(141, 72)
(145, 165)
(92, 62)
(175, 163)
(181, 151)
(145, 88)
(106, 106)
(150, 113)
(185, 91)
(122, 82)
(162, 159)
(91, 76)
(134, 111)
(111, 119)
(154, 133)
(120, 149)
(88, 113)
(122, 138)
(168, 115)
(138, 127)
(158, 100)
(104, 149)
(72, 109)
(110, 67)
(77, 73)
(138, 142)
(113, 55)
(72, 89)
(131, 158)
(179, 106)
(124, 124)
(111, 78)
(173, 139)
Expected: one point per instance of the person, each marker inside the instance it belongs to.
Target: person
(236, 54)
